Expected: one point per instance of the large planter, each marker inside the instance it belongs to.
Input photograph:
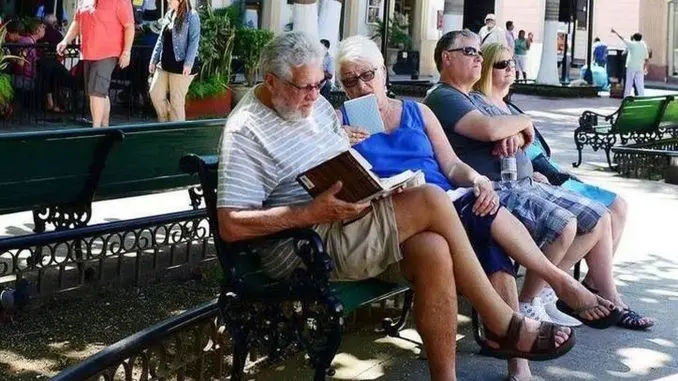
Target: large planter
(239, 92)
(217, 106)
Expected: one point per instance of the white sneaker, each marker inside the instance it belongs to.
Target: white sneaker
(549, 299)
(534, 310)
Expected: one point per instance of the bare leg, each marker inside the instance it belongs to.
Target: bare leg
(428, 265)
(505, 285)
(97, 107)
(514, 238)
(107, 112)
(442, 219)
(618, 212)
(554, 252)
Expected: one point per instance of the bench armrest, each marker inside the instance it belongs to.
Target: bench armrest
(589, 119)
(307, 244)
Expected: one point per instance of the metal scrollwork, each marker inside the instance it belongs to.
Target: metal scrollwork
(587, 137)
(62, 217)
(104, 248)
(196, 196)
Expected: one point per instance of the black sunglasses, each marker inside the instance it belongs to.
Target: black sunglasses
(468, 51)
(352, 81)
(502, 65)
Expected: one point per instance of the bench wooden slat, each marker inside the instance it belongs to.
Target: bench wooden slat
(47, 169)
(134, 169)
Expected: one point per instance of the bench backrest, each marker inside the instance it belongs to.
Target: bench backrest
(148, 158)
(640, 114)
(670, 116)
(46, 168)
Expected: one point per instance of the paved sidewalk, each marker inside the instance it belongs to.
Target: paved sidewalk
(646, 272)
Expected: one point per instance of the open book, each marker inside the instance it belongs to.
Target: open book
(360, 184)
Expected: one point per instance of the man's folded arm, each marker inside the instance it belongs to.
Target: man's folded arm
(477, 126)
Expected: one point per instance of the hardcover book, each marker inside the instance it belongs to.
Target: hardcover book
(359, 183)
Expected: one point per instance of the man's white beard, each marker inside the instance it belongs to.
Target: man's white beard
(286, 113)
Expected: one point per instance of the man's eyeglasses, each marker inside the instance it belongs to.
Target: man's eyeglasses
(352, 81)
(503, 65)
(468, 51)
(308, 88)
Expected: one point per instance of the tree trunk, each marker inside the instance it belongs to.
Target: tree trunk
(305, 16)
(548, 69)
(453, 15)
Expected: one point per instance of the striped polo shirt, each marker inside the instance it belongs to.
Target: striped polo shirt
(261, 155)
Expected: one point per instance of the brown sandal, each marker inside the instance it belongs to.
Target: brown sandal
(542, 349)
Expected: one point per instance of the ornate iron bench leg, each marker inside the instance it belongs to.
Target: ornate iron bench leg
(392, 328)
(579, 142)
(607, 155)
(240, 344)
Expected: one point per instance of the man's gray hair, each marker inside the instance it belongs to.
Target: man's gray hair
(289, 50)
(359, 48)
(450, 40)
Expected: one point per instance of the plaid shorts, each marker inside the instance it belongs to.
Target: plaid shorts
(545, 209)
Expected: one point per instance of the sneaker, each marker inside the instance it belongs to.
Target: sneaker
(549, 299)
(534, 310)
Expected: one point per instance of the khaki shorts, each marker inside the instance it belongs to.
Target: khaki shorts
(365, 248)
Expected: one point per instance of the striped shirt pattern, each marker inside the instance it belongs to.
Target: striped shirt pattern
(261, 155)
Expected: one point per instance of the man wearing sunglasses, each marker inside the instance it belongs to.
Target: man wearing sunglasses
(549, 213)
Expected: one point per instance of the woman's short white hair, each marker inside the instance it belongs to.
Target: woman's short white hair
(358, 48)
(288, 50)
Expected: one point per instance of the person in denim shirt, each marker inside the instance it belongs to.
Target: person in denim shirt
(173, 63)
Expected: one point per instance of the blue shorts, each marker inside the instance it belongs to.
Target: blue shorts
(492, 257)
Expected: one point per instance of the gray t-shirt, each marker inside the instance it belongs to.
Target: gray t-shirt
(450, 106)
(261, 155)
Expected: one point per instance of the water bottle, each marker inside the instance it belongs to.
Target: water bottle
(509, 168)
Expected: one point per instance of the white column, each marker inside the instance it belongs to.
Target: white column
(328, 22)
(453, 15)
(548, 69)
(305, 16)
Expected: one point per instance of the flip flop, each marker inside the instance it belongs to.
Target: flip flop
(605, 322)
(543, 348)
(630, 319)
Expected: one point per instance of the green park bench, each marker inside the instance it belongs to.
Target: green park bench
(307, 309)
(58, 174)
(638, 119)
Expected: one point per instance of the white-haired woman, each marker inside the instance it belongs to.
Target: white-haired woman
(414, 139)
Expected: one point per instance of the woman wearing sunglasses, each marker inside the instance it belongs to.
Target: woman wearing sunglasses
(497, 75)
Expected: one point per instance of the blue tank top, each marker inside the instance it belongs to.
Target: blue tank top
(406, 147)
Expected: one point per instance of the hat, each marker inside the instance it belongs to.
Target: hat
(490, 16)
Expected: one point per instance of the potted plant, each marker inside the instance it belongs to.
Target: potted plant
(209, 94)
(6, 89)
(248, 46)
(398, 38)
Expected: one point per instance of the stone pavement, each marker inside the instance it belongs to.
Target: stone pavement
(646, 272)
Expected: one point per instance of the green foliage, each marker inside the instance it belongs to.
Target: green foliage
(398, 33)
(6, 89)
(248, 46)
(206, 88)
(215, 52)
